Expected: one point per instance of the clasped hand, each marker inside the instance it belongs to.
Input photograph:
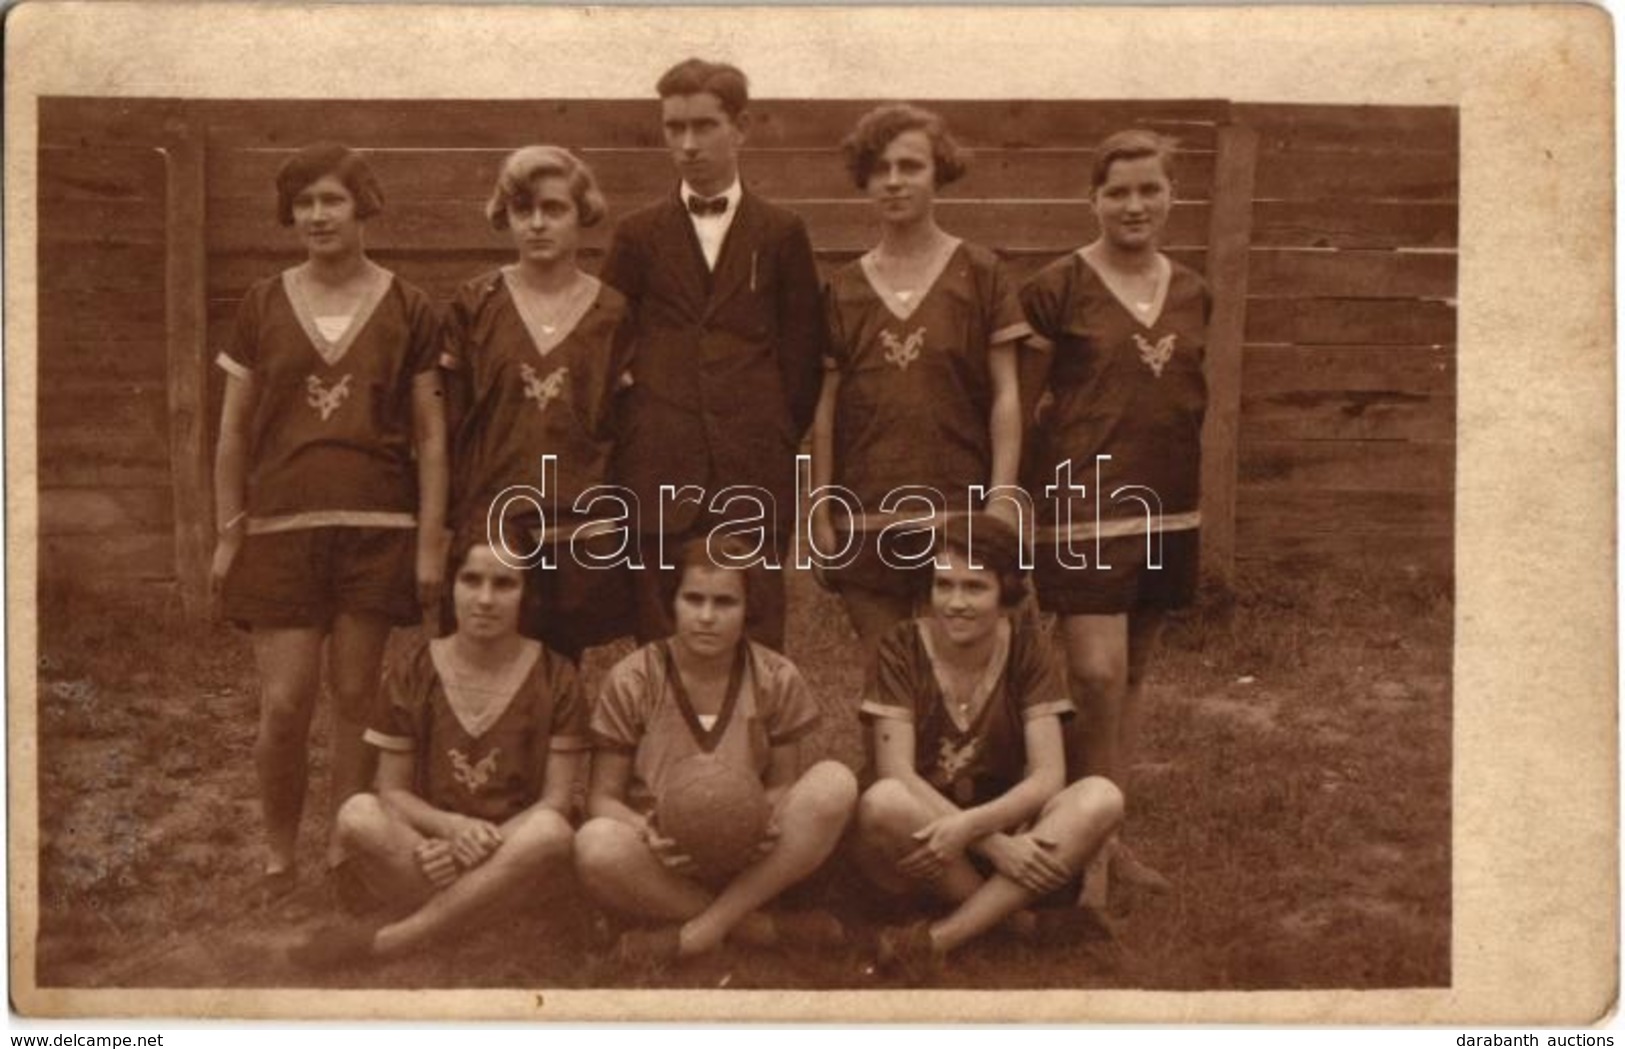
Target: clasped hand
(1029, 860)
(942, 841)
(470, 843)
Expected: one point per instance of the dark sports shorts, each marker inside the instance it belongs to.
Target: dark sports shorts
(1127, 584)
(572, 606)
(869, 572)
(308, 576)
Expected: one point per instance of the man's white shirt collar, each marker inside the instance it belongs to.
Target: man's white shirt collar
(713, 229)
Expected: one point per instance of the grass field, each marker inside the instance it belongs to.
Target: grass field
(1293, 780)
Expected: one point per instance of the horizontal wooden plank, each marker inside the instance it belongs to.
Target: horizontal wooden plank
(1347, 322)
(59, 327)
(1343, 224)
(84, 471)
(1351, 177)
(113, 173)
(1351, 274)
(120, 267)
(246, 226)
(95, 511)
(1322, 552)
(145, 556)
(1353, 128)
(112, 307)
(507, 123)
(1326, 415)
(469, 174)
(1366, 466)
(75, 223)
(441, 273)
(1268, 370)
(131, 360)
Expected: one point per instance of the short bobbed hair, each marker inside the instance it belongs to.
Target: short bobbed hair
(1134, 144)
(522, 169)
(876, 129)
(319, 160)
(729, 552)
(988, 542)
(696, 76)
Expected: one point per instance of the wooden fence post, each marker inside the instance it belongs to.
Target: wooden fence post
(1229, 239)
(186, 322)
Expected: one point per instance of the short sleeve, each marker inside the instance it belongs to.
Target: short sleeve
(424, 331)
(620, 716)
(1036, 680)
(569, 729)
(394, 724)
(1043, 306)
(1007, 321)
(791, 713)
(240, 357)
(893, 687)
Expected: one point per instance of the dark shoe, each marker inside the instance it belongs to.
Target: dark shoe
(655, 949)
(907, 951)
(350, 891)
(335, 946)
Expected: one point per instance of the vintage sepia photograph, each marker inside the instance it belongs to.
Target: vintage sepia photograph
(744, 522)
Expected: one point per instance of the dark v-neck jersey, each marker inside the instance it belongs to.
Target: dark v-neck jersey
(522, 404)
(981, 760)
(330, 438)
(640, 713)
(481, 753)
(1121, 388)
(915, 391)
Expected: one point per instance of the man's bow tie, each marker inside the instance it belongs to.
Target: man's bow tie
(698, 205)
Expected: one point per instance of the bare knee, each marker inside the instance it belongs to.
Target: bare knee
(602, 846)
(540, 837)
(361, 820)
(887, 809)
(1093, 799)
(827, 791)
(1099, 678)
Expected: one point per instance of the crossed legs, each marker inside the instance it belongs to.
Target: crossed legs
(535, 844)
(1078, 820)
(617, 867)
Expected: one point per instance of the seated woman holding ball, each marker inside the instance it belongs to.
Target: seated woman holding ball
(481, 736)
(707, 690)
(971, 805)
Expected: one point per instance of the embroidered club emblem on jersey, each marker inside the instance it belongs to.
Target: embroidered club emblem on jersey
(1155, 355)
(903, 352)
(952, 760)
(326, 399)
(543, 391)
(476, 776)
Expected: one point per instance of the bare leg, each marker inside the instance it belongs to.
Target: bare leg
(354, 654)
(1078, 820)
(874, 613)
(382, 847)
(888, 816)
(534, 843)
(616, 867)
(811, 817)
(289, 662)
(1144, 633)
(1097, 663)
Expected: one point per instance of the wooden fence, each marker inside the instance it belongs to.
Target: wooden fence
(1328, 234)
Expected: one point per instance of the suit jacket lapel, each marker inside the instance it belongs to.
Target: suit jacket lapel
(738, 260)
(680, 250)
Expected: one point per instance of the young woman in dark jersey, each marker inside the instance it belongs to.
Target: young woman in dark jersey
(1122, 329)
(330, 482)
(533, 353)
(920, 391)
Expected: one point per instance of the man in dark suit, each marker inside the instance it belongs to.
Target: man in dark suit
(730, 339)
